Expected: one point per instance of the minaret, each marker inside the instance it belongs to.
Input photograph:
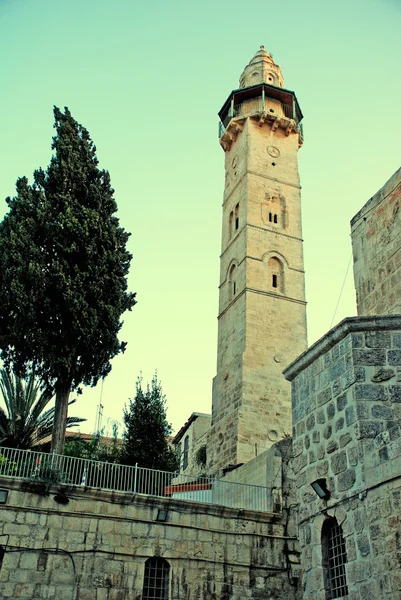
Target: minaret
(262, 308)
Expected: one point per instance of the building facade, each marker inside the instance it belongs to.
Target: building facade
(346, 392)
(262, 317)
(376, 244)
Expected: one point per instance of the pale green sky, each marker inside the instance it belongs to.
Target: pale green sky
(147, 79)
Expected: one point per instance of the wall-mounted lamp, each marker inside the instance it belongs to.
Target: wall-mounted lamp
(320, 487)
(161, 515)
(3, 496)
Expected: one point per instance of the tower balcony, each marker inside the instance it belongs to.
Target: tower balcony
(267, 101)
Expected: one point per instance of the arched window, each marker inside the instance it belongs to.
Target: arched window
(276, 274)
(334, 558)
(232, 281)
(156, 579)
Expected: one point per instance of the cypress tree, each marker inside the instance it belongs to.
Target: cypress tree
(147, 431)
(63, 271)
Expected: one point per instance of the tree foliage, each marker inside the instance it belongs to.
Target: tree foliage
(63, 271)
(25, 421)
(97, 447)
(147, 431)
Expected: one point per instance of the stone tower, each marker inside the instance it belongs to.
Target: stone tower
(262, 308)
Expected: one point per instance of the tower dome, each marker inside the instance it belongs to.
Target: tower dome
(261, 69)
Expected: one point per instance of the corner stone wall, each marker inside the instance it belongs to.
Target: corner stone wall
(376, 246)
(95, 548)
(346, 394)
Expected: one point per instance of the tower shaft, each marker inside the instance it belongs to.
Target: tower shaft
(262, 308)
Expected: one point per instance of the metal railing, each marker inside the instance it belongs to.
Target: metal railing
(58, 469)
(255, 105)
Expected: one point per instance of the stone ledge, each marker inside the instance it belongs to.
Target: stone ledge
(143, 500)
(335, 335)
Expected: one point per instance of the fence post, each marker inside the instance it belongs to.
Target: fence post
(135, 476)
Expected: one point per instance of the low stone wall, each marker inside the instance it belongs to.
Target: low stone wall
(346, 392)
(95, 548)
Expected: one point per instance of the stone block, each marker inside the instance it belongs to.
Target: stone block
(363, 544)
(373, 357)
(352, 454)
(337, 369)
(310, 422)
(395, 393)
(316, 437)
(339, 424)
(394, 357)
(29, 560)
(378, 339)
(345, 439)
(327, 431)
(382, 412)
(358, 571)
(360, 374)
(383, 375)
(331, 411)
(324, 396)
(368, 429)
(349, 415)
(368, 391)
(358, 340)
(332, 446)
(368, 591)
(338, 462)
(346, 480)
(341, 402)
(322, 468)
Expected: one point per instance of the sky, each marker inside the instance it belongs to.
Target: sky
(147, 80)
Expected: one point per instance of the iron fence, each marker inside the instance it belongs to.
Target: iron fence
(59, 469)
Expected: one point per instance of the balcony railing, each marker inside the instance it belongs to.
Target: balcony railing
(256, 105)
(54, 468)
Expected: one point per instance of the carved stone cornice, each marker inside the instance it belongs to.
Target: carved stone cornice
(234, 128)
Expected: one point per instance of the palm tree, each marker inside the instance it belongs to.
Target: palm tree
(24, 423)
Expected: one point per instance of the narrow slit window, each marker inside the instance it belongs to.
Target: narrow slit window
(156, 579)
(270, 217)
(232, 282)
(275, 218)
(276, 275)
(230, 224)
(237, 217)
(185, 454)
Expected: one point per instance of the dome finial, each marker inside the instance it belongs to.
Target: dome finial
(262, 47)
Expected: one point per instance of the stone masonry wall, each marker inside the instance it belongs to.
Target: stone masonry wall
(95, 548)
(376, 245)
(346, 392)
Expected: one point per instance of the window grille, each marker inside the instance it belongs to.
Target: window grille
(335, 559)
(155, 584)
